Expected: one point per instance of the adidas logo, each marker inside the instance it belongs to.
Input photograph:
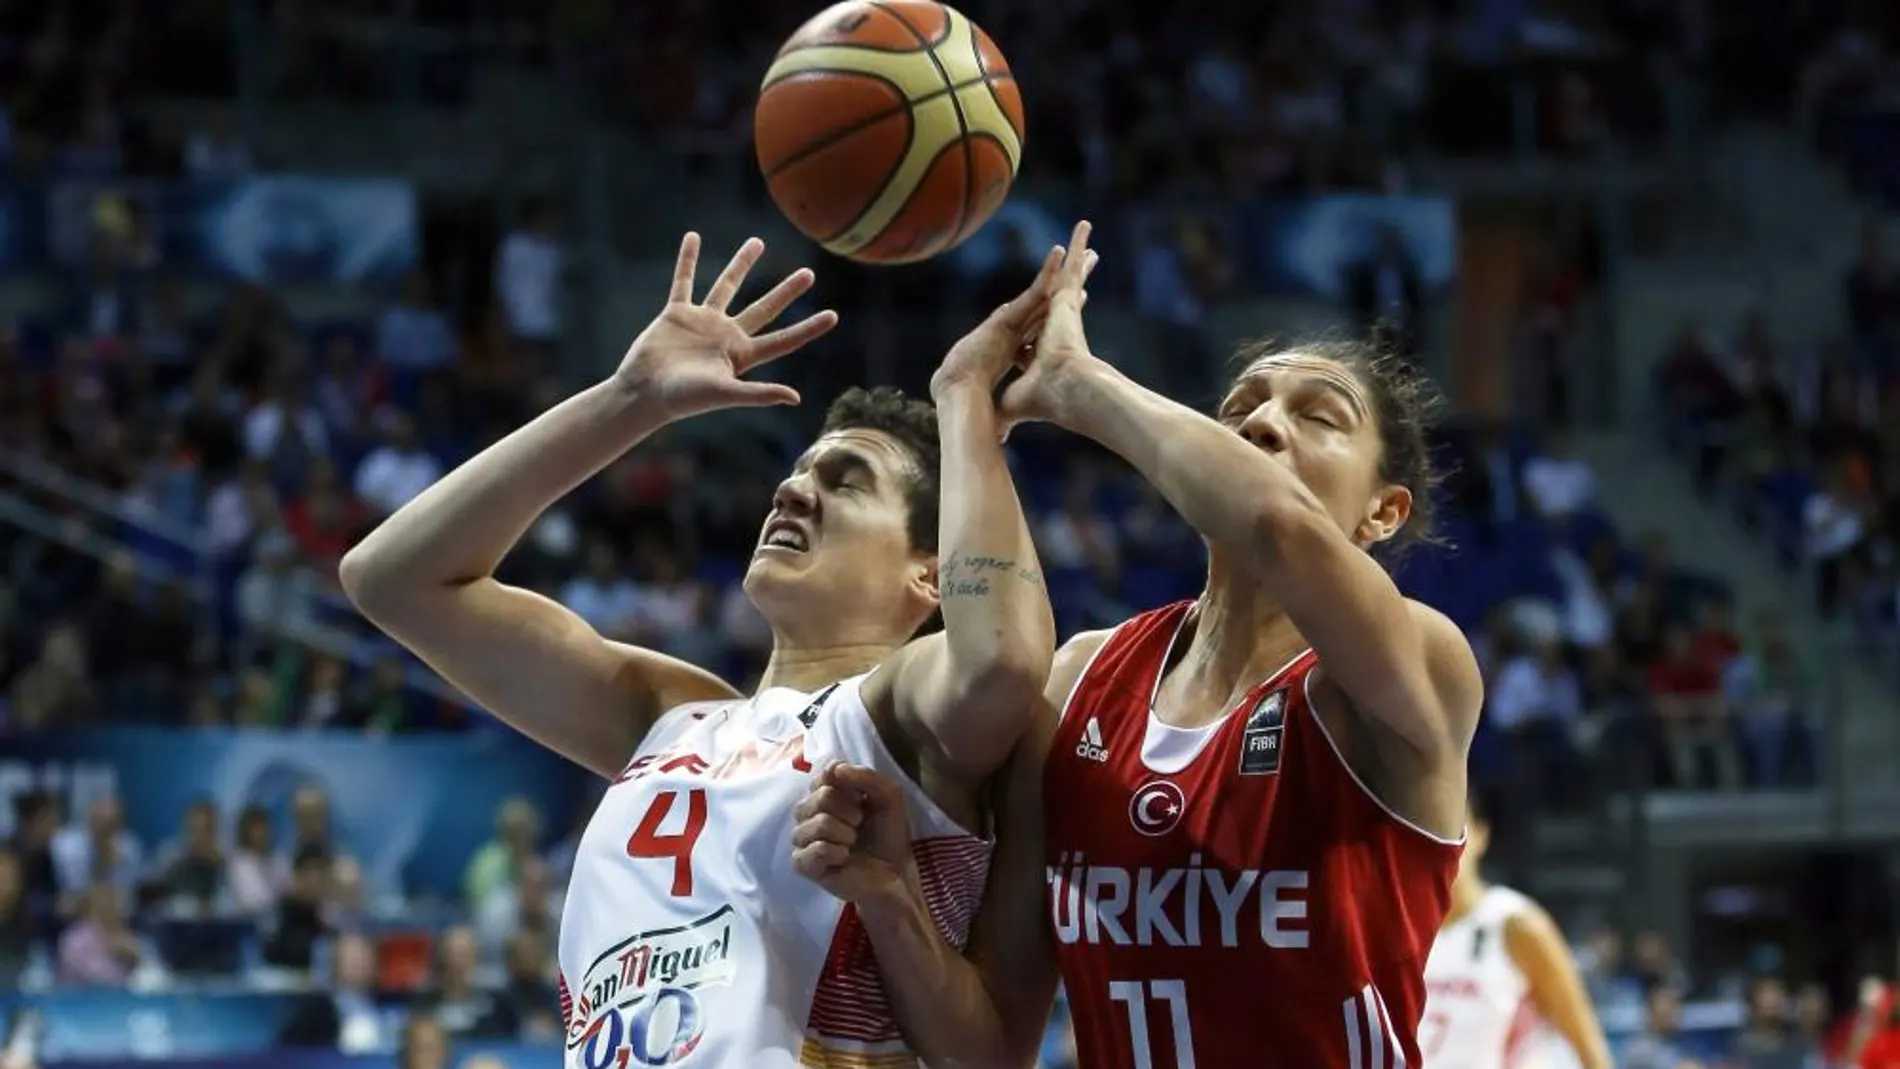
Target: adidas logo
(1091, 745)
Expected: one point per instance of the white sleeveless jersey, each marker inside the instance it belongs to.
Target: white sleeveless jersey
(1477, 1008)
(688, 940)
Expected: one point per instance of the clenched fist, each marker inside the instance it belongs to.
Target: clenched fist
(852, 834)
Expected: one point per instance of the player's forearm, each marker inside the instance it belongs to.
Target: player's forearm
(459, 529)
(998, 626)
(1219, 483)
(945, 1010)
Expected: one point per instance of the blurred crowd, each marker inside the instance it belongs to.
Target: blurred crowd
(1806, 444)
(233, 902)
(183, 463)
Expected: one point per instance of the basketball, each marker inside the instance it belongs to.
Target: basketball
(889, 131)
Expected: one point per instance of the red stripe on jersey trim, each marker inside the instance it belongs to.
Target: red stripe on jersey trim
(850, 1002)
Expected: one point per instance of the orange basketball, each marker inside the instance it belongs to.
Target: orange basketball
(889, 130)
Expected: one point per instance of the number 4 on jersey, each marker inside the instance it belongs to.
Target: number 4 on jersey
(647, 841)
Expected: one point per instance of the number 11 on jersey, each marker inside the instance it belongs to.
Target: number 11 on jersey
(1137, 995)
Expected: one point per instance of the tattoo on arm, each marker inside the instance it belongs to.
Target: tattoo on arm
(969, 577)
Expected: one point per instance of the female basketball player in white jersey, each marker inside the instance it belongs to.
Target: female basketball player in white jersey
(1500, 973)
(685, 930)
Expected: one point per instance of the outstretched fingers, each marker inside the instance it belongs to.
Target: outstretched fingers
(769, 347)
(684, 269)
(763, 312)
(726, 286)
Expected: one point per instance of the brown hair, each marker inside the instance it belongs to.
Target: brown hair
(912, 423)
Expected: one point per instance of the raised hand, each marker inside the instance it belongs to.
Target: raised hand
(1061, 345)
(982, 357)
(693, 357)
(852, 834)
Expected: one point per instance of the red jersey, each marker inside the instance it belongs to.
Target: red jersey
(1230, 896)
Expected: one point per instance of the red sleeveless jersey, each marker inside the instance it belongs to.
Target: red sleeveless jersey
(1232, 896)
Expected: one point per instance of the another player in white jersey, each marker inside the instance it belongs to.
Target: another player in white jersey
(686, 937)
(1500, 974)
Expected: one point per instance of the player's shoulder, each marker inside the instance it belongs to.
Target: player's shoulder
(1071, 661)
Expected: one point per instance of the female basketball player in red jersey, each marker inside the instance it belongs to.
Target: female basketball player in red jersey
(1237, 835)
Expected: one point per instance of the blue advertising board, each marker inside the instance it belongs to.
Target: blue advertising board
(1305, 246)
(1299, 246)
(411, 810)
(275, 230)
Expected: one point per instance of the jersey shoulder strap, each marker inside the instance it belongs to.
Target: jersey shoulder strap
(1130, 650)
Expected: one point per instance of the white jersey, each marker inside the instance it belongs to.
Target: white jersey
(687, 939)
(1477, 1008)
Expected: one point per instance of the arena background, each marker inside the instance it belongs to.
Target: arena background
(268, 267)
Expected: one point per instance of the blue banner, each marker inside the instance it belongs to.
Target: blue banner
(412, 811)
(1307, 246)
(275, 230)
(299, 231)
(1300, 246)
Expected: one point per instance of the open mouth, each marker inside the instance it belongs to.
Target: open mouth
(785, 535)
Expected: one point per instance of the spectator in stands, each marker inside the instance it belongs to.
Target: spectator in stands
(326, 521)
(1833, 528)
(101, 851)
(674, 611)
(18, 932)
(1557, 482)
(1176, 274)
(603, 595)
(528, 267)
(1589, 610)
(346, 1016)
(348, 904)
(425, 1044)
(1484, 480)
(1771, 686)
(240, 508)
(1685, 696)
(1537, 703)
(1655, 1047)
(57, 688)
(530, 904)
(99, 949)
(301, 921)
(189, 872)
(412, 334)
(284, 430)
(1386, 291)
(250, 871)
(1767, 1040)
(456, 998)
(496, 867)
(36, 820)
(274, 596)
(397, 470)
(386, 703)
(527, 995)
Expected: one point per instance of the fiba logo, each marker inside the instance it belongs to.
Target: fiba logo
(1156, 807)
(1091, 747)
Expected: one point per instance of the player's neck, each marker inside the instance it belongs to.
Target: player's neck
(1240, 634)
(811, 667)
